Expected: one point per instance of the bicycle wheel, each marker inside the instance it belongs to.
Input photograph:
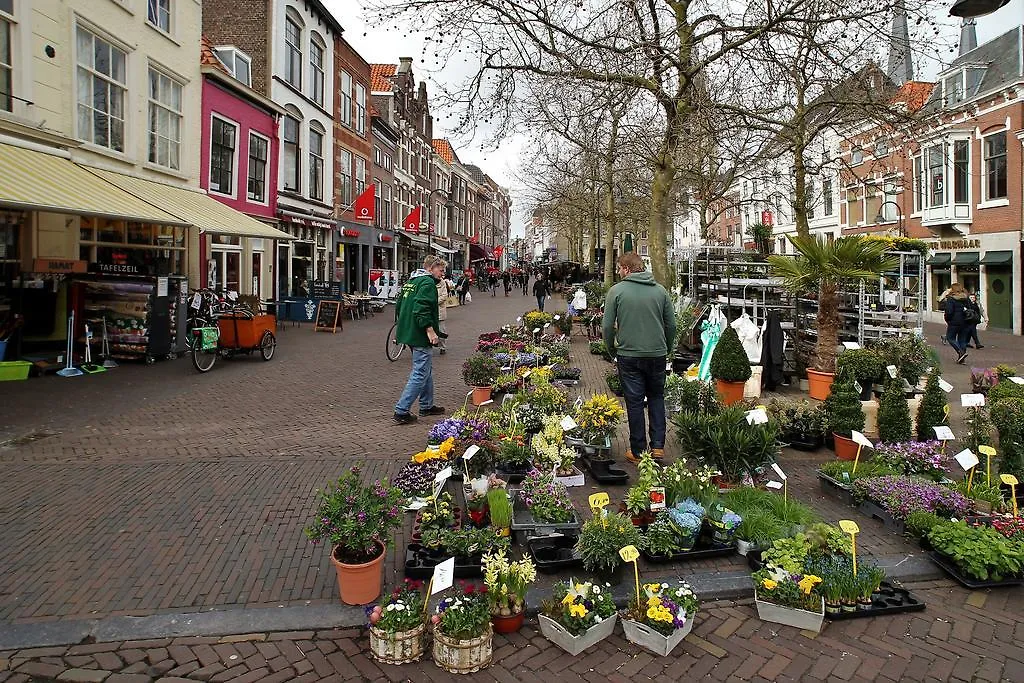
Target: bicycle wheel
(393, 349)
(202, 360)
(268, 344)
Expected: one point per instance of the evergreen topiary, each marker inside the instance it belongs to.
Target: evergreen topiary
(843, 409)
(865, 364)
(729, 361)
(1008, 416)
(894, 414)
(932, 411)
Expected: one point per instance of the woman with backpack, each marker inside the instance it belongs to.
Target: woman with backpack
(957, 320)
(976, 313)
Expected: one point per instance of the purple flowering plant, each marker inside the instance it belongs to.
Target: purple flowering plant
(357, 519)
(458, 428)
(901, 495)
(547, 500)
(914, 457)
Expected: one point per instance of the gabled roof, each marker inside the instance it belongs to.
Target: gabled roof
(478, 175)
(914, 94)
(380, 77)
(207, 57)
(444, 150)
(1001, 57)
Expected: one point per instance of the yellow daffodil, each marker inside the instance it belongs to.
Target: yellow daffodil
(769, 584)
(568, 599)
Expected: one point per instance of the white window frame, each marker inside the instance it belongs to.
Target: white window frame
(345, 104)
(164, 12)
(345, 176)
(359, 175)
(236, 56)
(8, 23)
(987, 199)
(293, 54)
(856, 156)
(153, 136)
(266, 169)
(234, 157)
(360, 102)
(318, 195)
(87, 70)
(316, 71)
(298, 154)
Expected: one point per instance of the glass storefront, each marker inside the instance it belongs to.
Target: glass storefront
(151, 248)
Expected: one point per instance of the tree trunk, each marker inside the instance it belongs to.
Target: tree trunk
(800, 198)
(609, 202)
(660, 222)
(829, 321)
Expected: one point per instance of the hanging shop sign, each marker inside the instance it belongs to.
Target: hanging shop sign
(384, 238)
(766, 217)
(53, 265)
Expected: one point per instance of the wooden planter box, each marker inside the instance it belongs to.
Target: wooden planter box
(789, 616)
(403, 647)
(649, 639)
(574, 645)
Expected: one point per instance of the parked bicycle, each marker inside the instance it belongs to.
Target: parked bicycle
(393, 348)
(224, 327)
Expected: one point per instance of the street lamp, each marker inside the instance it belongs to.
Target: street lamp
(880, 218)
(969, 9)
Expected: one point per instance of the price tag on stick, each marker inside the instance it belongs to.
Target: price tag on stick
(861, 442)
(851, 346)
(568, 424)
(1011, 481)
(757, 416)
(776, 485)
(891, 369)
(988, 452)
(848, 526)
(630, 554)
(945, 386)
(1017, 380)
(943, 433)
(441, 580)
(969, 461)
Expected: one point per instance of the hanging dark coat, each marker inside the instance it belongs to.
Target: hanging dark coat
(771, 353)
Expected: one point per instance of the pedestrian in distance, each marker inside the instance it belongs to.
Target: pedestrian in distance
(506, 281)
(462, 287)
(416, 310)
(443, 292)
(525, 281)
(956, 317)
(976, 313)
(492, 280)
(541, 290)
(638, 329)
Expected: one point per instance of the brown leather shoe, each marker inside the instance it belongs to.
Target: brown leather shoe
(658, 453)
(632, 458)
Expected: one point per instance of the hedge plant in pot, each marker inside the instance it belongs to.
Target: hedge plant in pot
(398, 626)
(845, 415)
(822, 267)
(865, 365)
(480, 371)
(600, 540)
(730, 367)
(894, 414)
(507, 582)
(358, 521)
(932, 411)
(462, 632)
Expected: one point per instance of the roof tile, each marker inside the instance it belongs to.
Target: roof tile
(444, 150)
(207, 57)
(380, 77)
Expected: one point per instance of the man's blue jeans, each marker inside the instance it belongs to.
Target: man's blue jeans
(642, 377)
(421, 382)
(540, 302)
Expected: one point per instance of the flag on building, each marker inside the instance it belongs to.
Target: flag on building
(412, 221)
(365, 206)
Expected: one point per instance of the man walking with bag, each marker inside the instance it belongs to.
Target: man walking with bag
(416, 310)
(639, 328)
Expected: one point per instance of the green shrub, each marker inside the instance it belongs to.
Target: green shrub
(894, 414)
(729, 361)
(865, 364)
(843, 410)
(979, 428)
(979, 552)
(931, 412)
(724, 441)
(921, 522)
(1008, 417)
(910, 354)
(1003, 390)
(698, 396)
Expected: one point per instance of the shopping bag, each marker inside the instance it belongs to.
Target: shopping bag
(469, 297)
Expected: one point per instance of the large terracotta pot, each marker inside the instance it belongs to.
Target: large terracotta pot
(846, 449)
(820, 384)
(359, 584)
(731, 392)
(481, 395)
(509, 624)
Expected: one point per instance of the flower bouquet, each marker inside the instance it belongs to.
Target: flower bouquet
(397, 625)
(462, 632)
(578, 615)
(661, 616)
(507, 582)
(597, 418)
(790, 599)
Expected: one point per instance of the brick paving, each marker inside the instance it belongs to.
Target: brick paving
(153, 490)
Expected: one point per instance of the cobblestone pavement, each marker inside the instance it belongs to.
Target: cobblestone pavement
(151, 490)
(962, 636)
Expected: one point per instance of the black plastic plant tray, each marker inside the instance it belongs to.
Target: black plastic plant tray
(511, 476)
(697, 553)
(605, 472)
(841, 491)
(888, 599)
(872, 509)
(554, 553)
(419, 566)
(950, 568)
(754, 560)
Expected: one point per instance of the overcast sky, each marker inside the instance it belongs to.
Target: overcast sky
(385, 44)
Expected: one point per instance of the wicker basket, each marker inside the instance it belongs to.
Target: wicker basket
(462, 656)
(397, 648)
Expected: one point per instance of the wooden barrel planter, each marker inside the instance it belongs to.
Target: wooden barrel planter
(462, 656)
(402, 647)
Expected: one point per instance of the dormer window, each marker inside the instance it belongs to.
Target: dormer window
(237, 62)
(962, 85)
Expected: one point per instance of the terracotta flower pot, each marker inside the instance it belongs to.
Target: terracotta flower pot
(481, 395)
(509, 624)
(359, 584)
(846, 449)
(731, 392)
(820, 384)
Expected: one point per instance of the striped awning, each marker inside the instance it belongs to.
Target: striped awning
(36, 181)
(192, 207)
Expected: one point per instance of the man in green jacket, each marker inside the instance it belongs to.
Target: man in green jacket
(639, 328)
(419, 329)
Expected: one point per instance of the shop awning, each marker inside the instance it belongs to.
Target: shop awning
(966, 258)
(445, 250)
(37, 181)
(479, 252)
(939, 260)
(193, 208)
(415, 239)
(997, 258)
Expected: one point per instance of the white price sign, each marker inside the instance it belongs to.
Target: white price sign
(1017, 380)
(972, 400)
(857, 386)
(568, 424)
(861, 440)
(536, 330)
(196, 300)
(943, 433)
(774, 484)
(558, 317)
(442, 476)
(757, 416)
(778, 471)
(851, 346)
(967, 459)
(470, 452)
(892, 370)
(945, 386)
(444, 576)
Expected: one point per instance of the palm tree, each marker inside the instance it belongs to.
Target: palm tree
(825, 266)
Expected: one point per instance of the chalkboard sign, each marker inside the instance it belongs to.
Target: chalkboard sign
(327, 315)
(326, 290)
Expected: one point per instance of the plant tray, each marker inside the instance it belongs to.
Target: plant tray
(574, 645)
(419, 566)
(417, 535)
(806, 446)
(950, 568)
(574, 479)
(589, 448)
(698, 553)
(872, 509)
(512, 476)
(888, 599)
(554, 553)
(522, 520)
(835, 489)
(606, 472)
(790, 616)
(649, 639)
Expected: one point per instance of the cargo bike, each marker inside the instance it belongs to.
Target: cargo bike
(235, 332)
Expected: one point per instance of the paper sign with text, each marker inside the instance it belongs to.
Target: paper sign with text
(442, 476)
(778, 471)
(892, 370)
(444, 576)
(851, 346)
(945, 386)
(757, 416)
(657, 498)
(972, 400)
(861, 440)
(943, 433)
(857, 386)
(568, 424)
(967, 459)
(470, 452)
(774, 484)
